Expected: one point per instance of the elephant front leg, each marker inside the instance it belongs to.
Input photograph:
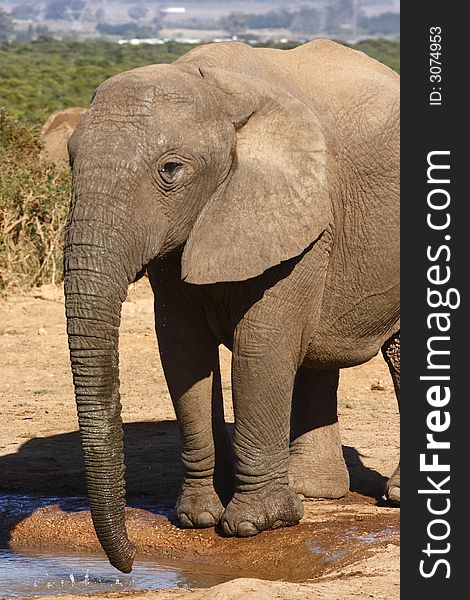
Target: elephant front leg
(208, 482)
(262, 382)
(316, 468)
(190, 360)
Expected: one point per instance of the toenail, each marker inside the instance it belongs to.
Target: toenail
(246, 529)
(184, 520)
(393, 495)
(205, 519)
(226, 527)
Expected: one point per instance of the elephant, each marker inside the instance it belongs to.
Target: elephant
(56, 132)
(259, 188)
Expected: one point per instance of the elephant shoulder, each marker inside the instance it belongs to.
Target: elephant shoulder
(334, 55)
(233, 56)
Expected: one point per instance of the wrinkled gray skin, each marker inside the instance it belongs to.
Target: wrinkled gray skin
(261, 188)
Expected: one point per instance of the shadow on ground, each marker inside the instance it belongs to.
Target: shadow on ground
(53, 466)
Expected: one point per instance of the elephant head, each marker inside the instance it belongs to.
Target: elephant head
(230, 165)
(56, 133)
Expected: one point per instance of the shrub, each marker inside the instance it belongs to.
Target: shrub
(34, 198)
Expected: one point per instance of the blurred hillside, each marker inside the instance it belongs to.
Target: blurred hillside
(199, 20)
(39, 77)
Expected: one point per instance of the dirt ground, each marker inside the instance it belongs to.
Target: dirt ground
(355, 553)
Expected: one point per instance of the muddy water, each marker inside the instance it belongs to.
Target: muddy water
(31, 573)
(51, 542)
(26, 570)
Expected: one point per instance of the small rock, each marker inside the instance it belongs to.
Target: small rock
(10, 331)
(42, 331)
(379, 385)
(367, 510)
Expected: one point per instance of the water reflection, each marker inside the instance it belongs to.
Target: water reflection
(35, 572)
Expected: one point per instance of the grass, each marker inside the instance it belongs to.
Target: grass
(34, 198)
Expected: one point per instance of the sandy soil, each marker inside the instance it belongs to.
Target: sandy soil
(40, 454)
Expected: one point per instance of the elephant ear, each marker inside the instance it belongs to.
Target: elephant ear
(275, 202)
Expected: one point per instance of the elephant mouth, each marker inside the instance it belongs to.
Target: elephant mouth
(140, 274)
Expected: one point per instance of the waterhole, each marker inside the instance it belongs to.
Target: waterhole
(48, 546)
(27, 570)
(38, 572)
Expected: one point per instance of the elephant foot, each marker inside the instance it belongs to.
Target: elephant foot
(249, 513)
(199, 506)
(392, 490)
(316, 464)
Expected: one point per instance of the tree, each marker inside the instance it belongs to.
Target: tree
(270, 20)
(385, 23)
(25, 11)
(100, 15)
(156, 25)
(234, 23)
(127, 30)
(306, 20)
(337, 14)
(63, 9)
(137, 12)
(6, 25)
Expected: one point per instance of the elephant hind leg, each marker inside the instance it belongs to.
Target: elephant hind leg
(391, 352)
(316, 465)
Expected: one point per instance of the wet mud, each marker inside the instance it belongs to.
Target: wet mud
(305, 552)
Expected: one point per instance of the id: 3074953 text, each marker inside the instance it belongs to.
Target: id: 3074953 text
(435, 66)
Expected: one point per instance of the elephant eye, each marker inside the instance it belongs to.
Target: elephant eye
(169, 171)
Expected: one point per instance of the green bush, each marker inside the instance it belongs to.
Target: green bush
(34, 198)
(39, 77)
(385, 51)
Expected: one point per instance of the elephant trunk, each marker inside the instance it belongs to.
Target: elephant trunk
(96, 278)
